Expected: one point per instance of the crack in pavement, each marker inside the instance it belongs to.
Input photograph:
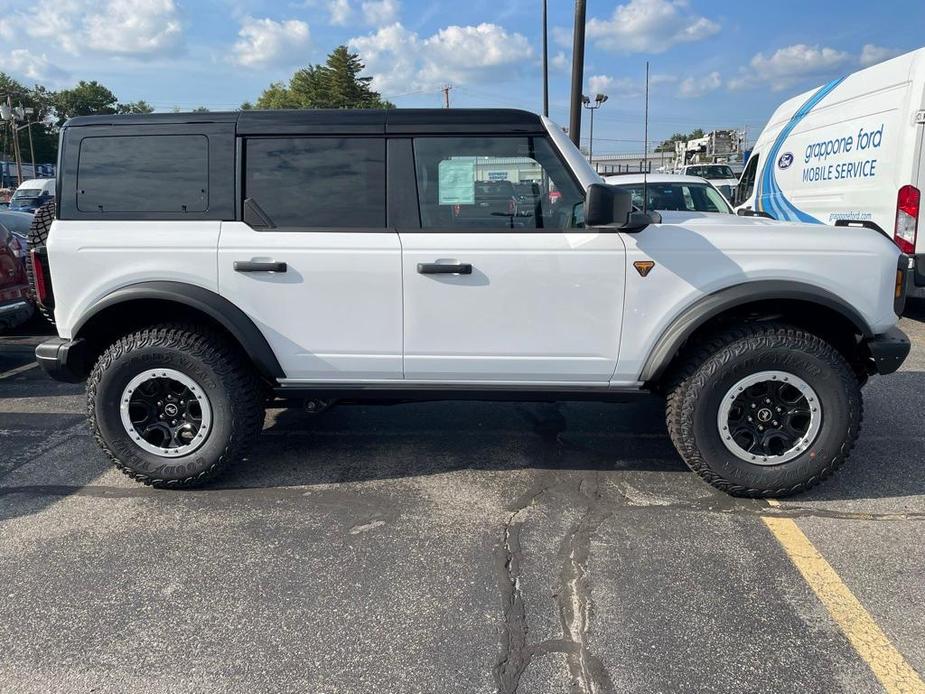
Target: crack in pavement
(515, 653)
(588, 674)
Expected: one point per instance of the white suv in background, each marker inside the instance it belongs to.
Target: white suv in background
(202, 266)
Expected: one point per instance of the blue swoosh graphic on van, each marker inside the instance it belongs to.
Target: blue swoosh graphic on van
(771, 198)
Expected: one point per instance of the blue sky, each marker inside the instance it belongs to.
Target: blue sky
(713, 64)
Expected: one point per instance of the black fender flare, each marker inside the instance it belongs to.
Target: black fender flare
(712, 305)
(217, 307)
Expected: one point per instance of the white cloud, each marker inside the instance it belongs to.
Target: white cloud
(399, 59)
(789, 65)
(267, 42)
(625, 87)
(647, 26)
(701, 85)
(871, 54)
(140, 28)
(600, 84)
(561, 62)
(380, 12)
(339, 11)
(23, 64)
(134, 27)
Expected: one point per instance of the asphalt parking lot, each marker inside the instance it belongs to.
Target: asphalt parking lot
(456, 547)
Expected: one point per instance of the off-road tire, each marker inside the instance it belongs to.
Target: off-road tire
(38, 238)
(711, 367)
(236, 396)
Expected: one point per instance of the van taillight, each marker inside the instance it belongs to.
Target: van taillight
(38, 272)
(907, 218)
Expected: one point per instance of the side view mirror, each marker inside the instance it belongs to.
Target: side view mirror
(607, 206)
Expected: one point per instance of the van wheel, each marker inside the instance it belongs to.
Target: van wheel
(38, 238)
(173, 405)
(764, 410)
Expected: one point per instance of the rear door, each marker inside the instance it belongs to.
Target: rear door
(312, 262)
(502, 283)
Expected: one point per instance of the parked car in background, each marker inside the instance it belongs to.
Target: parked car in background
(17, 222)
(671, 194)
(720, 175)
(851, 152)
(16, 304)
(32, 194)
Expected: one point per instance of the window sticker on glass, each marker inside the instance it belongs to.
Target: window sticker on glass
(457, 181)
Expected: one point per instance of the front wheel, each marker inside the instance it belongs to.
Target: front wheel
(174, 405)
(764, 411)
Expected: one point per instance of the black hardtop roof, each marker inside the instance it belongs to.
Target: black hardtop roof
(372, 121)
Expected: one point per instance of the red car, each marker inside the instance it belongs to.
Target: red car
(16, 303)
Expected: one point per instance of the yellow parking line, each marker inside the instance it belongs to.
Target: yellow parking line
(887, 663)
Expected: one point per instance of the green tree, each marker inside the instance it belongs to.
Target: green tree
(87, 98)
(44, 132)
(277, 95)
(140, 106)
(336, 84)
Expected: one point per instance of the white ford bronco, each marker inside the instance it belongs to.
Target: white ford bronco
(201, 267)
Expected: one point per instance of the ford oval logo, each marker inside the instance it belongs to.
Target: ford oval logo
(785, 160)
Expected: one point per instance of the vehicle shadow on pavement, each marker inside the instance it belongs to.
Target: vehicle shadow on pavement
(365, 443)
(52, 456)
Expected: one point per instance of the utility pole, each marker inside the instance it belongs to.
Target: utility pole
(578, 71)
(35, 171)
(15, 133)
(545, 63)
(446, 95)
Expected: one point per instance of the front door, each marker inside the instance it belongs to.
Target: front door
(501, 283)
(313, 263)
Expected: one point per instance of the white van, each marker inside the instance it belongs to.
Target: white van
(32, 194)
(849, 152)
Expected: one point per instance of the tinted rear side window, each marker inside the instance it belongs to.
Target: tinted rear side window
(150, 173)
(317, 181)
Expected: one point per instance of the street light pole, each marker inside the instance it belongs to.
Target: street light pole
(598, 102)
(578, 70)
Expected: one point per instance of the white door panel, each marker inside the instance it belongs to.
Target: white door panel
(335, 314)
(538, 307)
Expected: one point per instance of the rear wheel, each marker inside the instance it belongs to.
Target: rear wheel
(174, 405)
(764, 410)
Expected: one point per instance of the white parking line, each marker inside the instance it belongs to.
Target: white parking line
(17, 370)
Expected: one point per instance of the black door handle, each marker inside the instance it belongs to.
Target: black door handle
(444, 269)
(257, 266)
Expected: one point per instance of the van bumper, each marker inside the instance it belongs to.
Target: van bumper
(63, 360)
(889, 350)
(918, 270)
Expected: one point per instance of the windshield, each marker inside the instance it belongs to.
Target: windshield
(710, 172)
(683, 197)
(27, 193)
